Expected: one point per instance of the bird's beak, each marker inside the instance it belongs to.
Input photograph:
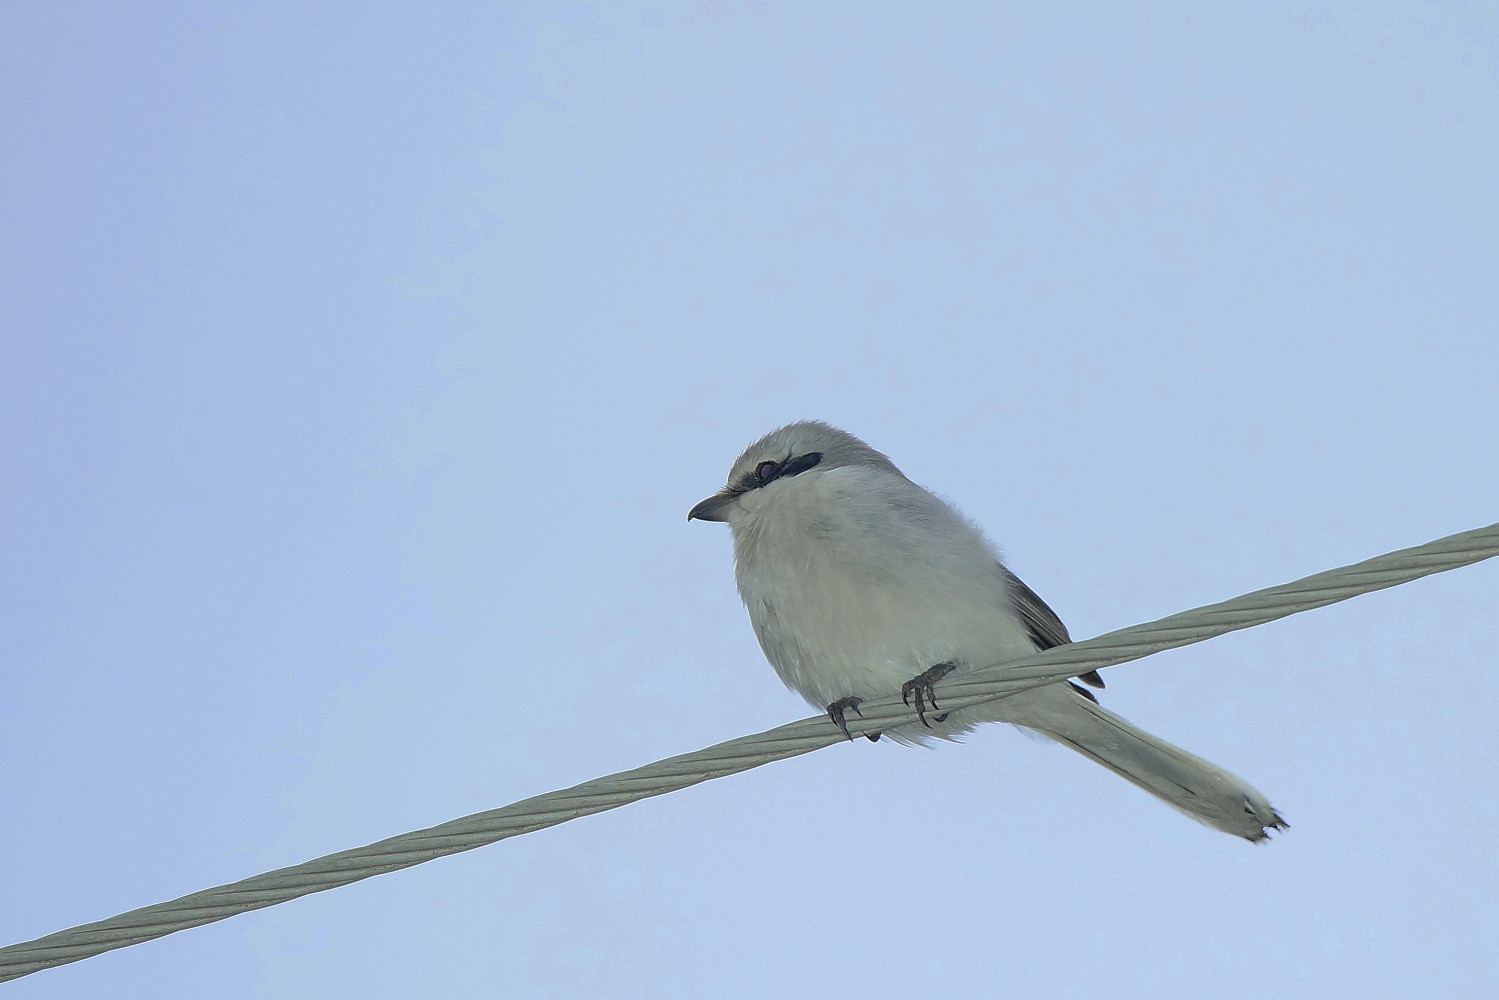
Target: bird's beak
(711, 509)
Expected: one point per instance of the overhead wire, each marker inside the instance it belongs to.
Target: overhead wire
(742, 754)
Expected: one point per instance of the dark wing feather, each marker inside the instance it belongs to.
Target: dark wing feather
(1045, 628)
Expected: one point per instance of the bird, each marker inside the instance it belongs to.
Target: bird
(861, 584)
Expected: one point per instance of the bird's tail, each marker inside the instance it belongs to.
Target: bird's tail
(1186, 782)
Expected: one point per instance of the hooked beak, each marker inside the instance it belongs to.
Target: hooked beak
(711, 508)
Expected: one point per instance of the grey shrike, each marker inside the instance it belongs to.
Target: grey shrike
(861, 584)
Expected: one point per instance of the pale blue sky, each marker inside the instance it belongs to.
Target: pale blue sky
(365, 361)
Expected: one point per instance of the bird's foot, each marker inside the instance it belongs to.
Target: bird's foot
(919, 690)
(836, 710)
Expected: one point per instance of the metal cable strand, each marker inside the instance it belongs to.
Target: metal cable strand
(741, 754)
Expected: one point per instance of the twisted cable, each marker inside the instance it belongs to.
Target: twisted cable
(612, 791)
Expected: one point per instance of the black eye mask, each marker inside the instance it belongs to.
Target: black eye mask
(769, 472)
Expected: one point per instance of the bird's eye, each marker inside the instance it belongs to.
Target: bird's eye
(766, 471)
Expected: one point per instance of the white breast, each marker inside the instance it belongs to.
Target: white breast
(856, 580)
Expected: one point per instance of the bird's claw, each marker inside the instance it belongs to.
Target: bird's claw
(837, 708)
(919, 689)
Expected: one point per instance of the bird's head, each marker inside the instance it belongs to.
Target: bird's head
(773, 463)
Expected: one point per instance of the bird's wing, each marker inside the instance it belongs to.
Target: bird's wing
(1045, 628)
